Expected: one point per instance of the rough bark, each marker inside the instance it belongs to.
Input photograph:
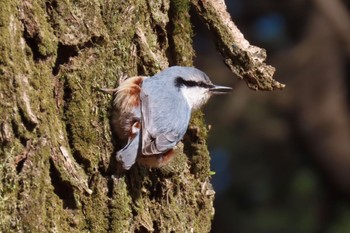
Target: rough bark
(57, 166)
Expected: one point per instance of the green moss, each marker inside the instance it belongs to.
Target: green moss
(6, 21)
(182, 32)
(83, 112)
(119, 205)
(32, 212)
(196, 147)
(178, 164)
(96, 206)
(48, 42)
(169, 196)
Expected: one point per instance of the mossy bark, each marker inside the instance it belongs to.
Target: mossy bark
(57, 148)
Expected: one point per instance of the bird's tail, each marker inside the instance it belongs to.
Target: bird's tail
(127, 156)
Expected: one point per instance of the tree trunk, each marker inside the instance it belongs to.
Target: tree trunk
(57, 150)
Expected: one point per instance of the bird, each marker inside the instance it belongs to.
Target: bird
(154, 113)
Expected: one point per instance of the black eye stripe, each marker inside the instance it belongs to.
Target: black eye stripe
(188, 83)
(205, 85)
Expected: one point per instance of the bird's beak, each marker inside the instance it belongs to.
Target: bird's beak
(219, 90)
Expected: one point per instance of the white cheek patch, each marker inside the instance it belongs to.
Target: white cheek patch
(195, 96)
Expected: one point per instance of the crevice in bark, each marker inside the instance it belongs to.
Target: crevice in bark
(155, 186)
(155, 226)
(50, 6)
(33, 42)
(20, 165)
(155, 190)
(95, 40)
(142, 229)
(158, 30)
(29, 125)
(110, 186)
(113, 166)
(67, 94)
(169, 52)
(103, 170)
(17, 134)
(161, 36)
(62, 189)
(64, 54)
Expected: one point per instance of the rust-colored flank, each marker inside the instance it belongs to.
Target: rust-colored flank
(154, 161)
(128, 93)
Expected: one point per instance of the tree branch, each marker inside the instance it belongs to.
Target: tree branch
(243, 59)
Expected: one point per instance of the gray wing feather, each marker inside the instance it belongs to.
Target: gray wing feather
(127, 156)
(162, 126)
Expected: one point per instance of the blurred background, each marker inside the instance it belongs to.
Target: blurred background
(282, 158)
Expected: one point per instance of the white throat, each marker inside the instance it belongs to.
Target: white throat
(195, 96)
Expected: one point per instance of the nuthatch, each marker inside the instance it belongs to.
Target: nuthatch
(154, 112)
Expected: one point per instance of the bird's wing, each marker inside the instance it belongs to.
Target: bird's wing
(127, 156)
(162, 126)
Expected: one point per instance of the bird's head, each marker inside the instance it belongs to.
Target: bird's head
(196, 86)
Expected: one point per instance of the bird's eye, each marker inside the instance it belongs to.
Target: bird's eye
(179, 81)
